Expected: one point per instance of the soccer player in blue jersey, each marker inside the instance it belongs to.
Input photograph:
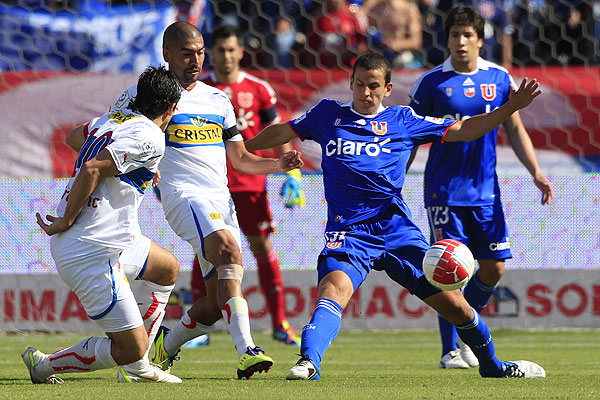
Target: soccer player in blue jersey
(365, 151)
(461, 190)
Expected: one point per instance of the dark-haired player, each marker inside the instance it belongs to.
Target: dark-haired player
(462, 195)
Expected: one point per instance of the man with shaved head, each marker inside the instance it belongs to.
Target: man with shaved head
(200, 138)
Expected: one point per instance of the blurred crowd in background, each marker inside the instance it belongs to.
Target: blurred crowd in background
(410, 32)
(331, 33)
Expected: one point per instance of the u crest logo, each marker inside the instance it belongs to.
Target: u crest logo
(377, 129)
(488, 91)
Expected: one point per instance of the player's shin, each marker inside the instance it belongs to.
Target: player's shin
(235, 315)
(478, 337)
(271, 282)
(152, 300)
(448, 335)
(90, 354)
(322, 329)
(186, 329)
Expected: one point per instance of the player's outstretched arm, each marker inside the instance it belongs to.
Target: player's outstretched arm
(477, 126)
(88, 178)
(272, 136)
(523, 147)
(247, 163)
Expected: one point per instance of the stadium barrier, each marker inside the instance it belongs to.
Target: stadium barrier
(526, 299)
(552, 280)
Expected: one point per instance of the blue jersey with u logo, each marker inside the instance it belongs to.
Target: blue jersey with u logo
(364, 157)
(460, 173)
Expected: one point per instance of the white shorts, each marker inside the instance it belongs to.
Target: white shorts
(99, 280)
(133, 259)
(194, 216)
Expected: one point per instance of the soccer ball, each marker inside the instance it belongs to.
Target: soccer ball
(448, 264)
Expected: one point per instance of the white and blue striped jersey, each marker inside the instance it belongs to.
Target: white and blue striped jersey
(460, 173)
(195, 158)
(110, 216)
(364, 157)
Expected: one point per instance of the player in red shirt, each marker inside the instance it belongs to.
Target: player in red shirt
(254, 103)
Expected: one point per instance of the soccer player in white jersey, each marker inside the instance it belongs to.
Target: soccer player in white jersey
(462, 195)
(97, 244)
(365, 148)
(199, 139)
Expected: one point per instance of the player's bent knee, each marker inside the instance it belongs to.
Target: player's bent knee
(162, 267)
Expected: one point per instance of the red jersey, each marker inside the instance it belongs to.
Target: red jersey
(254, 103)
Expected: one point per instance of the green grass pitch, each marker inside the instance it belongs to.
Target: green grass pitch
(359, 365)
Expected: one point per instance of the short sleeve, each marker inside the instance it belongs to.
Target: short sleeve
(138, 148)
(309, 124)
(268, 103)
(424, 129)
(228, 112)
(125, 99)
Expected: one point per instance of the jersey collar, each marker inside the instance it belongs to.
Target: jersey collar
(481, 65)
(381, 108)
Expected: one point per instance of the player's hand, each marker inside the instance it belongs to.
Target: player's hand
(528, 90)
(290, 160)
(156, 178)
(291, 191)
(546, 188)
(56, 225)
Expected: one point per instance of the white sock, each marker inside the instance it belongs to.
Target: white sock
(235, 314)
(152, 300)
(186, 329)
(90, 354)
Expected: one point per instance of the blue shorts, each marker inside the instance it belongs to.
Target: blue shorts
(390, 242)
(483, 229)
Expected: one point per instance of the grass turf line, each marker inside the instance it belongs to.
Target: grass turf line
(359, 365)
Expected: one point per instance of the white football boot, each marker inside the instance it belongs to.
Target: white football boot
(152, 374)
(467, 354)
(303, 370)
(35, 361)
(522, 369)
(452, 360)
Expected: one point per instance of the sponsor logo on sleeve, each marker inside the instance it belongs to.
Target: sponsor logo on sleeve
(120, 117)
(146, 148)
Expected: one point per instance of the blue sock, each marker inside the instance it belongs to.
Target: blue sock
(478, 337)
(448, 335)
(323, 327)
(477, 293)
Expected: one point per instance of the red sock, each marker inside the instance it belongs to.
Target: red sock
(271, 284)
(197, 281)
